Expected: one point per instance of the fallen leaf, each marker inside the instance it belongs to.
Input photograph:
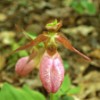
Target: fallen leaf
(95, 53)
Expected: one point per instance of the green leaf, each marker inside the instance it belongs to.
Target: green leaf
(66, 84)
(23, 2)
(84, 3)
(67, 98)
(74, 90)
(4, 94)
(55, 22)
(66, 65)
(33, 36)
(23, 95)
(35, 94)
(77, 7)
(30, 35)
(91, 9)
(73, 4)
(82, 6)
(15, 94)
(64, 87)
(14, 46)
(12, 93)
(23, 53)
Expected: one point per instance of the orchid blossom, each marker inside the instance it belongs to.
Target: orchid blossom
(51, 66)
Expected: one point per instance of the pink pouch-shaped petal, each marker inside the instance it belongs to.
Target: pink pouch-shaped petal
(51, 72)
(23, 67)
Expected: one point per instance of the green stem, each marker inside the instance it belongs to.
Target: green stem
(51, 96)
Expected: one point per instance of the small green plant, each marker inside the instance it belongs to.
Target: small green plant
(83, 6)
(66, 90)
(51, 69)
(7, 91)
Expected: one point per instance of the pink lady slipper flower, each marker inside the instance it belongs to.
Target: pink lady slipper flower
(51, 72)
(51, 67)
(23, 67)
(26, 64)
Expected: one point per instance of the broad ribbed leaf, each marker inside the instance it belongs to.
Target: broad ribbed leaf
(35, 94)
(66, 84)
(74, 90)
(8, 92)
(12, 93)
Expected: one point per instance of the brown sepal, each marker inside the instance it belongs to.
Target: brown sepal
(63, 40)
(40, 38)
(32, 55)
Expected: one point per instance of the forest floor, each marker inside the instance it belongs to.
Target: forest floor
(82, 30)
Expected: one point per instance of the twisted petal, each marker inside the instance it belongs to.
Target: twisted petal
(67, 44)
(23, 67)
(40, 38)
(51, 72)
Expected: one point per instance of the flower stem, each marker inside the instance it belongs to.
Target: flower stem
(51, 96)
